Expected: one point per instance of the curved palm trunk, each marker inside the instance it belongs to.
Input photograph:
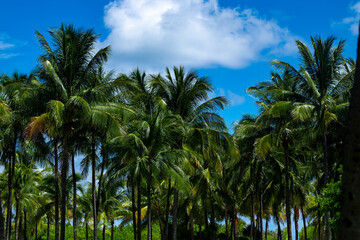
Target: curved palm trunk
(266, 228)
(133, 208)
(279, 228)
(56, 195)
(287, 189)
(100, 183)
(149, 202)
(175, 211)
(139, 210)
(167, 212)
(74, 192)
(93, 183)
(104, 232)
(192, 237)
(296, 220)
(304, 222)
(350, 213)
(226, 224)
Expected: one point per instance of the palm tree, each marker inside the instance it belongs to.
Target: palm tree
(186, 95)
(321, 83)
(65, 69)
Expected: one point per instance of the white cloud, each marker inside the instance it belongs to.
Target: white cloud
(353, 22)
(5, 45)
(8, 55)
(153, 34)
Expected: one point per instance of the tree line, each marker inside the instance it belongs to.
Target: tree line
(160, 155)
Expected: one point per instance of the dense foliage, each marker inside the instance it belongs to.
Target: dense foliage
(162, 162)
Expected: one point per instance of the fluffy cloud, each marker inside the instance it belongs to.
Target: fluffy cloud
(353, 22)
(153, 34)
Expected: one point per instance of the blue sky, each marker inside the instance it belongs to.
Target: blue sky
(229, 41)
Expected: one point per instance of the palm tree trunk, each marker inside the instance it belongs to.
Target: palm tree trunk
(2, 222)
(192, 237)
(20, 225)
(133, 208)
(326, 181)
(252, 229)
(266, 228)
(10, 185)
(93, 163)
(226, 225)
(56, 194)
(279, 228)
(87, 230)
(74, 191)
(158, 209)
(100, 182)
(48, 228)
(112, 230)
(200, 231)
(231, 224)
(104, 232)
(64, 170)
(304, 222)
(261, 211)
(287, 188)
(319, 222)
(16, 217)
(212, 217)
(139, 210)
(296, 220)
(207, 225)
(175, 211)
(350, 213)
(149, 237)
(167, 211)
(36, 230)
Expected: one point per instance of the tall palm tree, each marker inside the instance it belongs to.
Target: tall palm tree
(65, 68)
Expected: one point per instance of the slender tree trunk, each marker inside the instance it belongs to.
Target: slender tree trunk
(175, 212)
(104, 232)
(2, 222)
(74, 191)
(86, 230)
(112, 230)
(350, 212)
(100, 182)
(266, 228)
(36, 230)
(304, 222)
(212, 217)
(326, 181)
(167, 211)
(10, 185)
(319, 222)
(56, 194)
(133, 208)
(158, 209)
(252, 229)
(64, 170)
(226, 225)
(149, 237)
(20, 225)
(93, 184)
(232, 224)
(139, 209)
(192, 237)
(207, 231)
(296, 220)
(200, 231)
(261, 211)
(48, 228)
(287, 188)
(16, 217)
(279, 228)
